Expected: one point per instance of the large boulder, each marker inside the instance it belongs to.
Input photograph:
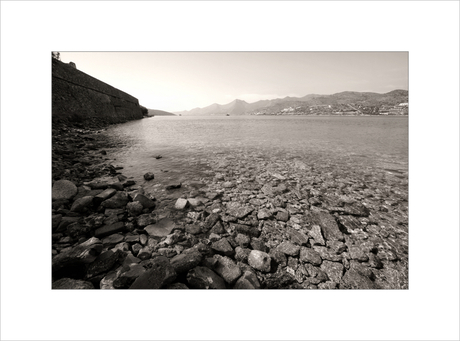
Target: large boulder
(159, 276)
(64, 189)
(227, 269)
(118, 200)
(204, 278)
(83, 253)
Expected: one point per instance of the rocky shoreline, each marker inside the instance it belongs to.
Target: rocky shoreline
(251, 224)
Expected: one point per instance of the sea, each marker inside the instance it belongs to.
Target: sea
(181, 148)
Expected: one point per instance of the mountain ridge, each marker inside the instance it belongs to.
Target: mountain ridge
(240, 107)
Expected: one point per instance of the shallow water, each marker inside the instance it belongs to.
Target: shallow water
(190, 146)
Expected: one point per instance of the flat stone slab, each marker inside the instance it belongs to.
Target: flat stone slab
(161, 229)
(107, 230)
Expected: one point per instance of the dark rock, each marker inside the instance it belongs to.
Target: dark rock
(129, 183)
(193, 229)
(106, 194)
(186, 261)
(149, 176)
(145, 253)
(251, 231)
(279, 280)
(116, 185)
(109, 229)
(316, 275)
(145, 219)
(80, 204)
(218, 228)
(56, 220)
(257, 244)
(278, 256)
(354, 280)
(69, 283)
(333, 270)
(144, 201)
(247, 281)
(238, 211)
(223, 247)
(112, 240)
(259, 260)
(177, 286)
(83, 253)
(289, 248)
(328, 225)
(204, 278)
(103, 263)
(120, 199)
(212, 219)
(173, 186)
(227, 269)
(310, 256)
(134, 208)
(297, 237)
(64, 189)
(158, 276)
(127, 278)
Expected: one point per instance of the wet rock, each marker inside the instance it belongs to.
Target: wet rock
(264, 214)
(242, 254)
(317, 236)
(308, 255)
(238, 211)
(329, 226)
(83, 253)
(112, 240)
(181, 204)
(259, 260)
(104, 195)
(119, 199)
(227, 269)
(161, 229)
(297, 237)
(149, 176)
(69, 283)
(134, 208)
(160, 275)
(333, 270)
(186, 261)
(204, 278)
(64, 189)
(109, 229)
(223, 247)
(80, 204)
(103, 263)
(247, 281)
(289, 248)
(144, 201)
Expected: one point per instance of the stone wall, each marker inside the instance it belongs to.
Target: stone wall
(78, 97)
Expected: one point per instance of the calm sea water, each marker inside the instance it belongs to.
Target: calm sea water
(189, 145)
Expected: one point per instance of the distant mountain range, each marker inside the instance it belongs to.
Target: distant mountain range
(153, 112)
(346, 98)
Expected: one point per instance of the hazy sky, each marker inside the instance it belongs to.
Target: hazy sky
(175, 81)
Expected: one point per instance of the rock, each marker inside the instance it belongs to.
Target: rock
(218, 228)
(194, 202)
(242, 240)
(136, 248)
(177, 286)
(247, 281)
(161, 229)
(145, 219)
(69, 283)
(258, 244)
(193, 229)
(106, 194)
(56, 220)
(336, 246)
(310, 256)
(374, 261)
(181, 204)
(242, 254)
(134, 208)
(328, 225)
(212, 219)
(251, 231)
(279, 280)
(107, 281)
(327, 253)
(173, 186)
(109, 229)
(358, 254)
(83, 253)
(112, 240)
(237, 210)
(333, 270)
(259, 260)
(327, 285)
(103, 263)
(316, 275)
(130, 259)
(289, 248)
(227, 269)
(354, 280)
(81, 204)
(349, 223)
(228, 184)
(123, 246)
(317, 236)
(223, 247)
(278, 256)
(297, 237)
(186, 261)
(264, 214)
(282, 216)
(204, 278)
(127, 278)
(113, 211)
(158, 276)
(63, 189)
(145, 253)
(149, 176)
(119, 199)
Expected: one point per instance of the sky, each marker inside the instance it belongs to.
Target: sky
(177, 81)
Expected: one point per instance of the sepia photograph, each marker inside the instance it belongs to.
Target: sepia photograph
(274, 170)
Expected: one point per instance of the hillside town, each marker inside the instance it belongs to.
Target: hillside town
(400, 109)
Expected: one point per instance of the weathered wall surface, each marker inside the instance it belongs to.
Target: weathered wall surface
(78, 97)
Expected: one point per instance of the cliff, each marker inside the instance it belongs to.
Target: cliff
(78, 97)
